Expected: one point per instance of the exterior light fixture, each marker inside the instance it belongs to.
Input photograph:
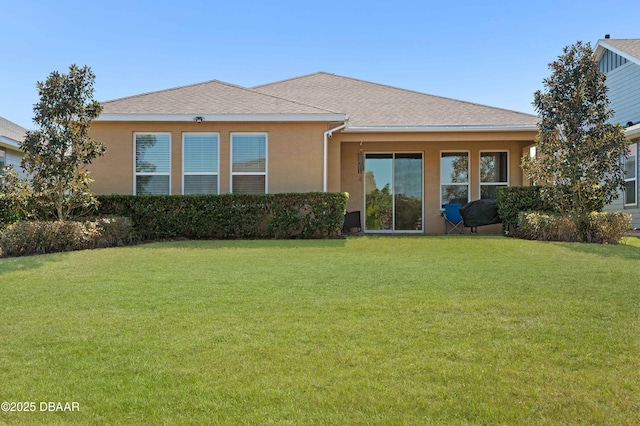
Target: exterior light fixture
(198, 119)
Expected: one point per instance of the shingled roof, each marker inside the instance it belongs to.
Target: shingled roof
(626, 47)
(323, 95)
(211, 97)
(378, 105)
(11, 133)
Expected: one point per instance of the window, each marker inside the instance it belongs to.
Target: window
(3, 160)
(493, 173)
(249, 163)
(631, 176)
(200, 163)
(393, 192)
(454, 178)
(153, 163)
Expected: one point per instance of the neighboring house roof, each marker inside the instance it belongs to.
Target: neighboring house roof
(11, 134)
(377, 105)
(214, 100)
(628, 48)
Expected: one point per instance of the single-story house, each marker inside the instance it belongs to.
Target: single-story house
(11, 135)
(620, 60)
(400, 154)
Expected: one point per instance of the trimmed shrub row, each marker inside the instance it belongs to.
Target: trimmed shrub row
(39, 237)
(597, 227)
(230, 216)
(512, 200)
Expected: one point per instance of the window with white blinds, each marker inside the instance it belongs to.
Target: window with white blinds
(153, 163)
(200, 163)
(249, 163)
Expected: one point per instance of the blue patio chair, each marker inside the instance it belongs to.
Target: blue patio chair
(452, 218)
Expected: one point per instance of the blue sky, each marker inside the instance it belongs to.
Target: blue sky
(494, 53)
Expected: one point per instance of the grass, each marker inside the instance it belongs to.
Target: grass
(394, 330)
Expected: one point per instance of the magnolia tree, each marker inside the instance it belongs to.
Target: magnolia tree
(578, 151)
(56, 155)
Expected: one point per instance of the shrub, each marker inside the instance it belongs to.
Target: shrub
(597, 227)
(8, 212)
(512, 200)
(608, 227)
(546, 227)
(38, 237)
(294, 215)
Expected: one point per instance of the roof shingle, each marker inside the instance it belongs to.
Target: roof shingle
(631, 46)
(211, 97)
(366, 103)
(373, 104)
(11, 130)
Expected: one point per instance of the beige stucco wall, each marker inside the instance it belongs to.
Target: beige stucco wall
(430, 145)
(294, 153)
(295, 158)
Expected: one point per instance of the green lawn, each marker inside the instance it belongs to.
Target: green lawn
(390, 330)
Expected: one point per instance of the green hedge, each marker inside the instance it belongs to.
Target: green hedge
(230, 216)
(511, 200)
(8, 212)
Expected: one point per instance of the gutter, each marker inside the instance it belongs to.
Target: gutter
(325, 171)
(433, 129)
(9, 143)
(632, 131)
(221, 117)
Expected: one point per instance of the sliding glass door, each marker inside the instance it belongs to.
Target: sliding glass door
(393, 192)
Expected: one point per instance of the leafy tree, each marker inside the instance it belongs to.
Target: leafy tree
(578, 152)
(56, 155)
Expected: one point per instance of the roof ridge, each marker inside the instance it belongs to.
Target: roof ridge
(224, 83)
(432, 95)
(163, 90)
(293, 78)
(293, 100)
(249, 89)
(395, 88)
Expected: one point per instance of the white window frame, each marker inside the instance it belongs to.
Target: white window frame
(266, 160)
(468, 184)
(201, 173)
(135, 173)
(480, 183)
(633, 179)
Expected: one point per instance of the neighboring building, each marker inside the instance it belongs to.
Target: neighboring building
(400, 154)
(620, 59)
(11, 135)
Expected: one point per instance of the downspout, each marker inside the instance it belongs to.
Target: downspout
(325, 171)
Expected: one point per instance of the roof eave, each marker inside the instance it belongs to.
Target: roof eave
(9, 143)
(632, 131)
(223, 117)
(602, 45)
(445, 129)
